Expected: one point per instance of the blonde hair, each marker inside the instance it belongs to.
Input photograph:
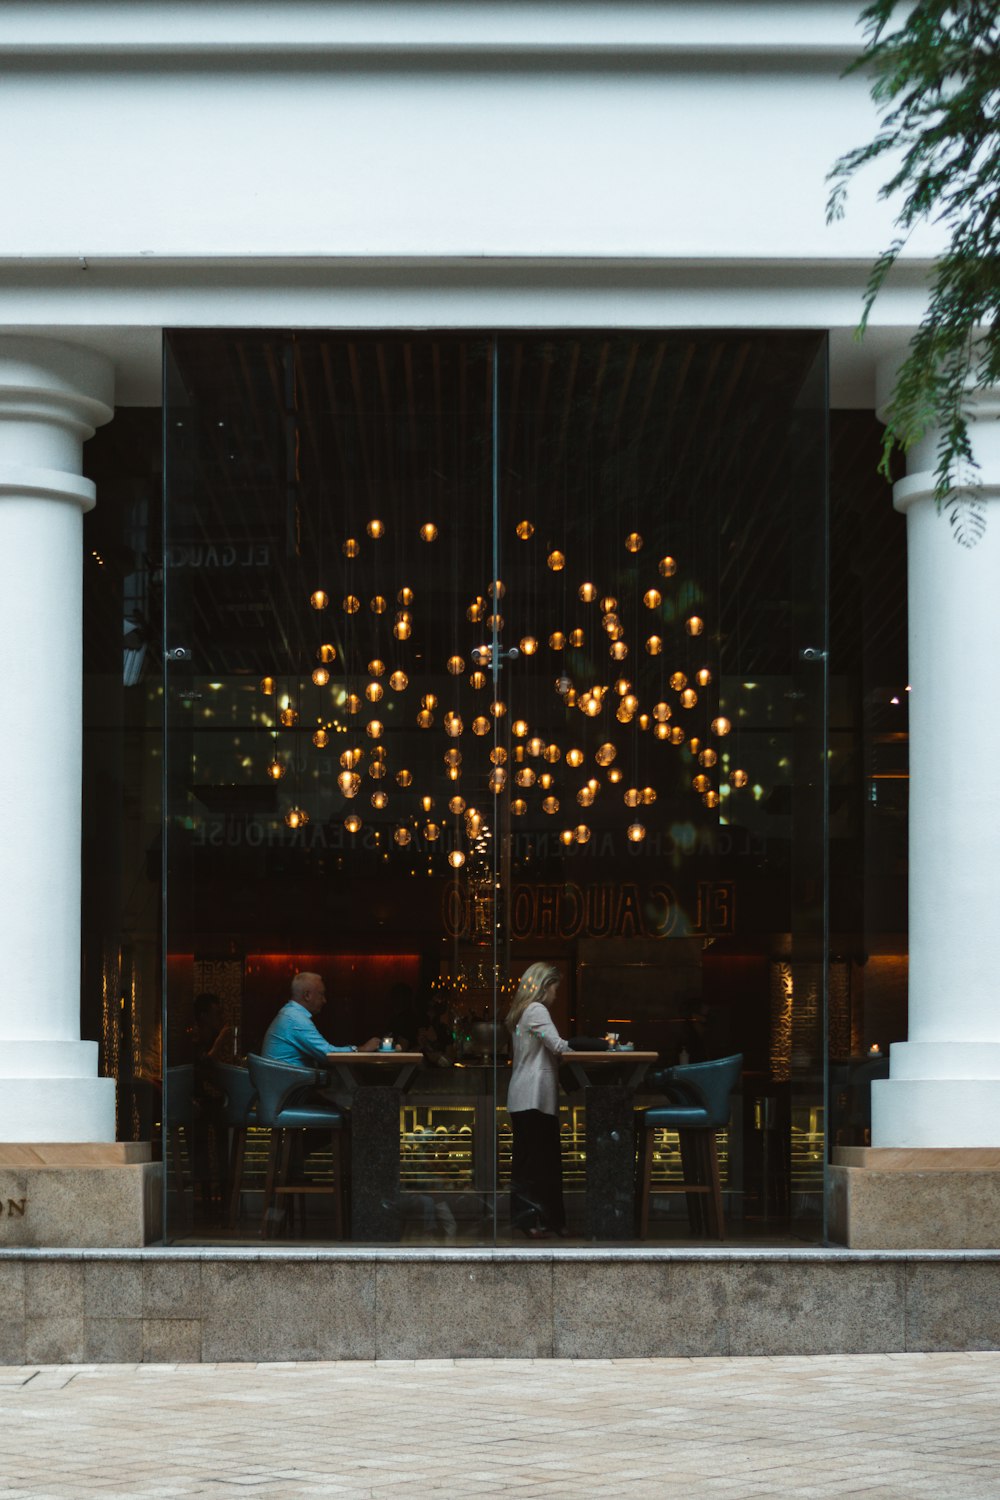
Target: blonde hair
(534, 983)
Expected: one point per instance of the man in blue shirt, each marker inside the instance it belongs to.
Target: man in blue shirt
(293, 1037)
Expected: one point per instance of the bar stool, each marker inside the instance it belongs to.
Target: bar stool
(239, 1113)
(277, 1084)
(700, 1106)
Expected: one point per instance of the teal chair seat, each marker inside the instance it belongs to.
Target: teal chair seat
(302, 1117)
(678, 1117)
(699, 1097)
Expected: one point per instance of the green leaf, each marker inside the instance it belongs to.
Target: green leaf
(934, 67)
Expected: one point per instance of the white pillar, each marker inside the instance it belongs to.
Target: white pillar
(52, 396)
(944, 1081)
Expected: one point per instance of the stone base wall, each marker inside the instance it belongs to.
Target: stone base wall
(112, 1208)
(164, 1306)
(887, 1198)
(104, 1196)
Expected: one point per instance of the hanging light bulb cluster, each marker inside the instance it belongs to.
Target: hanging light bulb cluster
(616, 701)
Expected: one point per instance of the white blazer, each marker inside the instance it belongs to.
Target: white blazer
(536, 1047)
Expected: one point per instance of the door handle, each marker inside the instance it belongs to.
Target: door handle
(492, 656)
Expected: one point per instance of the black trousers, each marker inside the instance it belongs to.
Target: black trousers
(536, 1197)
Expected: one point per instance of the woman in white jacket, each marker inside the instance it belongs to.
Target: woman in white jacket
(536, 1199)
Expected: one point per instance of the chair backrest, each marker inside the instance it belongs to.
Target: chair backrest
(275, 1082)
(237, 1085)
(709, 1084)
(178, 1096)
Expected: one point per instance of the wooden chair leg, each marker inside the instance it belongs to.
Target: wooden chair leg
(298, 1176)
(705, 1183)
(236, 1159)
(714, 1203)
(338, 1186)
(284, 1175)
(177, 1160)
(270, 1181)
(647, 1184)
(691, 1169)
(289, 1175)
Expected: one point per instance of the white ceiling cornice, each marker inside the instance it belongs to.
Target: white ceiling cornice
(231, 33)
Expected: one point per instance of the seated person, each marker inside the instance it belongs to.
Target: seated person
(434, 1036)
(415, 1024)
(208, 1042)
(293, 1037)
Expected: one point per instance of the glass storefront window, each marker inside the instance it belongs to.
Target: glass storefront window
(485, 653)
(123, 766)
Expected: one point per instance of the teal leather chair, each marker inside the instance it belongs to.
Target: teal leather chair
(284, 1106)
(239, 1113)
(698, 1105)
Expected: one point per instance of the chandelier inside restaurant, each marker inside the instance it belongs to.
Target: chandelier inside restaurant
(580, 687)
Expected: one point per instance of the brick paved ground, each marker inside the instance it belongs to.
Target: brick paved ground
(882, 1426)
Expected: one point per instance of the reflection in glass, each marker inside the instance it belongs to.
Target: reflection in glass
(419, 795)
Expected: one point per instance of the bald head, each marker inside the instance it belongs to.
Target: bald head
(310, 992)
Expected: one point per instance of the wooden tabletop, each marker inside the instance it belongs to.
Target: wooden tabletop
(608, 1057)
(377, 1057)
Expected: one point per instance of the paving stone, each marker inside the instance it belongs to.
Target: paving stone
(952, 1306)
(686, 1310)
(230, 1311)
(487, 1309)
(112, 1289)
(171, 1338)
(11, 1342)
(111, 1340)
(171, 1289)
(315, 1311)
(819, 1308)
(53, 1288)
(58, 1338)
(918, 1427)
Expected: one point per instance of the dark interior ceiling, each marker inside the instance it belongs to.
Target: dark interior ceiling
(278, 446)
(710, 446)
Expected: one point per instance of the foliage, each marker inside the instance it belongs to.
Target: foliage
(935, 69)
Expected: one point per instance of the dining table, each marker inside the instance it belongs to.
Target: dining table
(370, 1085)
(608, 1082)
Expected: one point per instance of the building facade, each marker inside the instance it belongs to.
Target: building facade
(476, 389)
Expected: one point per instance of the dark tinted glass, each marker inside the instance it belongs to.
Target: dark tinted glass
(365, 782)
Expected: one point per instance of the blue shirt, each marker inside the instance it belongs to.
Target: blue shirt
(293, 1037)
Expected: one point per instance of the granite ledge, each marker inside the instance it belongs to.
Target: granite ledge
(74, 1154)
(821, 1254)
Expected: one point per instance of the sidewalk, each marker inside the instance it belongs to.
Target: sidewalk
(874, 1425)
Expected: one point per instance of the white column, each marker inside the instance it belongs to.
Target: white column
(944, 1081)
(52, 396)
